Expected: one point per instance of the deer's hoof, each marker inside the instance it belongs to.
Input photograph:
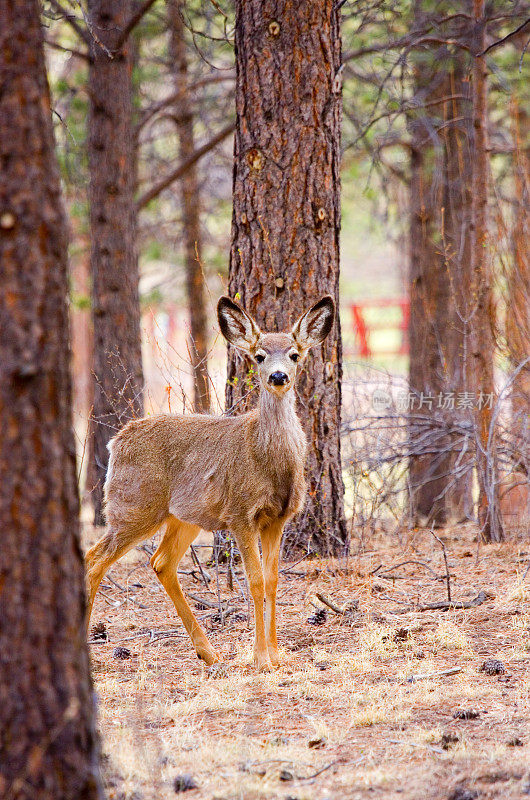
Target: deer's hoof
(263, 663)
(209, 656)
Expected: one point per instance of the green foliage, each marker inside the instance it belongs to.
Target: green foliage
(81, 301)
(153, 298)
(153, 250)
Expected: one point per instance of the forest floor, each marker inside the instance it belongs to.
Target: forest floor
(343, 717)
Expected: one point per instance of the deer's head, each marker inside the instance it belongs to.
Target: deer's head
(277, 355)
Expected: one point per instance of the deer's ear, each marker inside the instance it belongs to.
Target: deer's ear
(238, 327)
(313, 326)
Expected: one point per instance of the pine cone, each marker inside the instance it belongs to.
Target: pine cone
(319, 617)
(493, 667)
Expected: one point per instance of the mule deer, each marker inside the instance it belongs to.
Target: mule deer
(192, 472)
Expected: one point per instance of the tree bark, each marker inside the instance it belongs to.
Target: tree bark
(440, 217)
(518, 317)
(190, 200)
(483, 343)
(428, 293)
(286, 221)
(48, 746)
(114, 264)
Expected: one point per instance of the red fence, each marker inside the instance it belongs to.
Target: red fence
(363, 328)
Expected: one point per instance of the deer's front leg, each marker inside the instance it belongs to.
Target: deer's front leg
(248, 547)
(270, 543)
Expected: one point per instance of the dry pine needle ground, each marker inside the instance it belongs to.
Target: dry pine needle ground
(339, 719)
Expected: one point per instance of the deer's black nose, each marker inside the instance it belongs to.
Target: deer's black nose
(278, 378)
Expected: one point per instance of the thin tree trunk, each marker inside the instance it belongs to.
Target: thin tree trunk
(518, 317)
(440, 215)
(48, 746)
(81, 325)
(114, 265)
(191, 207)
(286, 220)
(483, 343)
(428, 292)
(455, 235)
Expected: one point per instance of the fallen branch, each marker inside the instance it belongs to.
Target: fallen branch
(203, 602)
(402, 564)
(328, 766)
(455, 604)
(154, 636)
(347, 608)
(417, 744)
(442, 674)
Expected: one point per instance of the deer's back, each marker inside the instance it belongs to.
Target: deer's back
(205, 470)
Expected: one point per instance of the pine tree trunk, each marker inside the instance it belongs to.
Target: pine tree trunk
(428, 293)
(81, 325)
(483, 343)
(48, 746)
(286, 220)
(190, 200)
(439, 279)
(518, 318)
(455, 234)
(114, 265)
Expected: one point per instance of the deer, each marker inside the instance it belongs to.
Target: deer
(193, 472)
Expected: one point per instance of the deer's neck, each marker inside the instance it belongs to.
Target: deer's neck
(280, 434)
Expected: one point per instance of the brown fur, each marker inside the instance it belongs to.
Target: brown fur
(242, 473)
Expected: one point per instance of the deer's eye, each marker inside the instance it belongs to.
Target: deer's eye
(294, 357)
(260, 358)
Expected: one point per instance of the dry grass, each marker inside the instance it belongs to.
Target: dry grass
(344, 683)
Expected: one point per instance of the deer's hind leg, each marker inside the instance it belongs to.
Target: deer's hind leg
(175, 541)
(117, 540)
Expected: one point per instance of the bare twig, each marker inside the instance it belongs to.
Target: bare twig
(150, 112)
(427, 676)
(219, 602)
(506, 38)
(447, 577)
(72, 21)
(324, 769)
(124, 589)
(72, 50)
(197, 562)
(182, 168)
(133, 22)
(417, 744)
(303, 558)
(402, 564)
(455, 604)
